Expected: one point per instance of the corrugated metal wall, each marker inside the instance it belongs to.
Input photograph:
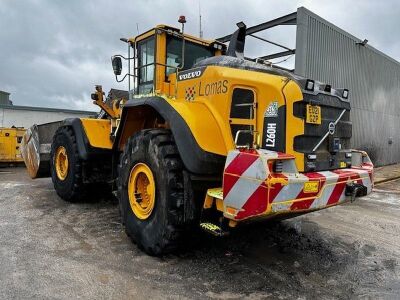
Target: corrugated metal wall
(325, 52)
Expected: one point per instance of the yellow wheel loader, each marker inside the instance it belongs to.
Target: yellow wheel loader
(204, 137)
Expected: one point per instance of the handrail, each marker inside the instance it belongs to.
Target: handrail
(253, 133)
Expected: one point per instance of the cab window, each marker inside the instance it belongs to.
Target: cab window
(146, 55)
(193, 54)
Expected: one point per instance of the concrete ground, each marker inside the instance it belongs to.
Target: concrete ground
(53, 249)
(387, 173)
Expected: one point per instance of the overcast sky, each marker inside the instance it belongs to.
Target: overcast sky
(53, 52)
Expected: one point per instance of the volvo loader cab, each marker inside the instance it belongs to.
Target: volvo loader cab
(159, 54)
(206, 137)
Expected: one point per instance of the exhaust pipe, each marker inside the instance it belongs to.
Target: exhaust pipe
(236, 44)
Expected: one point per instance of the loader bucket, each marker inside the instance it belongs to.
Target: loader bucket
(35, 149)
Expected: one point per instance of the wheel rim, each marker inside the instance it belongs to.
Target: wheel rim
(141, 191)
(61, 163)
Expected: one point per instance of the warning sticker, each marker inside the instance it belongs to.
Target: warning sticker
(272, 110)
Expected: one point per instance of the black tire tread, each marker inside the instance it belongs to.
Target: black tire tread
(77, 190)
(168, 155)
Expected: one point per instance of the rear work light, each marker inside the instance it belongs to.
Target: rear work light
(328, 88)
(310, 85)
(345, 93)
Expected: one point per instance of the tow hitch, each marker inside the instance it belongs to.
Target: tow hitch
(355, 190)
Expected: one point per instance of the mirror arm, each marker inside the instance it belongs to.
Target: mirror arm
(123, 57)
(123, 78)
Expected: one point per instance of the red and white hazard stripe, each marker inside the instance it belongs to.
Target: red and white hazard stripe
(245, 186)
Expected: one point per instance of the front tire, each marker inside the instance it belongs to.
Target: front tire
(66, 166)
(151, 191)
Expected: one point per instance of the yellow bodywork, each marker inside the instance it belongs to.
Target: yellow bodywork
(10, 139)
(208, 114)
(98, 132)
(294, 126)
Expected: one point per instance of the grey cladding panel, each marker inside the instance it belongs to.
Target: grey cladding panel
(327, 53)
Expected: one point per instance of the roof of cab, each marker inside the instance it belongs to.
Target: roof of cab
(173, 29)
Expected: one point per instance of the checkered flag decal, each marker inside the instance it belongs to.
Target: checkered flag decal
(190, 93)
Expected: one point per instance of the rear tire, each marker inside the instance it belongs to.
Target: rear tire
(161, 230)
(70, 187)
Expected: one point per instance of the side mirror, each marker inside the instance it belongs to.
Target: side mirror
(117, 65)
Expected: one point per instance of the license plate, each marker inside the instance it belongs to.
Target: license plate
(311, 187)
(313, 115)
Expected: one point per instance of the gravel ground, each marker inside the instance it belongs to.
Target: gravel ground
(53, 249)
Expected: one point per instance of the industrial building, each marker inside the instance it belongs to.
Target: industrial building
(329, 54)
(5, 98)
(326, 53)
(15, 119)
(26, 116)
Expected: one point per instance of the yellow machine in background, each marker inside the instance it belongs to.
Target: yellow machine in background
(10, 140)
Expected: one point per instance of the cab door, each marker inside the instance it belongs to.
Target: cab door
(243, 116)
(146, 65)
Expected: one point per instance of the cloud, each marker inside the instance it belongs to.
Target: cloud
(54, 52)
